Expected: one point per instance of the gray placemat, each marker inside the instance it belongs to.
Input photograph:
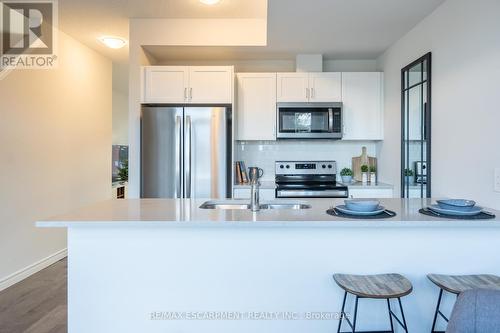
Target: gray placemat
(387, 214)
(481, 216)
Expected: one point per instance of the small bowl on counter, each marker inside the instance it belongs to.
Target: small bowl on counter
(461, 205)
(362, 205)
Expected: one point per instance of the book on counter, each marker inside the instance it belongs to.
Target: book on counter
(241, 173)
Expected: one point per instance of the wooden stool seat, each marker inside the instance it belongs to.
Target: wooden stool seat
(374, 286)
(456, 284)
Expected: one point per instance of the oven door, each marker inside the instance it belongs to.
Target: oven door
(309, 121)
(311, 191)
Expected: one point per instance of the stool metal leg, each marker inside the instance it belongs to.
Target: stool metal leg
(403, 315)
(437, 311)
(390, 315)
(355, 315)
(342, 313)
(352, 324)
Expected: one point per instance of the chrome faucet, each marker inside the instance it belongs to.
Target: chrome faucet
(254, 173)
(254, 195)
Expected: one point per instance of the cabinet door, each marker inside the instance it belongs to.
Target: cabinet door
(211, 84)
(292, 87)
(362, 97)
(164, 84)
(256, 107)
(325, 87)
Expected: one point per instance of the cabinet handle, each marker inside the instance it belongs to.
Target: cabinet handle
(307, 93)
(185, 93)
(190, 93)
(312, 92)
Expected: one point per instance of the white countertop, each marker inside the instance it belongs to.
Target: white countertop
(186, 213)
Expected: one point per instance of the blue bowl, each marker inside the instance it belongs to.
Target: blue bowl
(358, 205)
(461, 205)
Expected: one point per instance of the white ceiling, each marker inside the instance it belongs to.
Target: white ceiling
(338, 29)
(87, 20)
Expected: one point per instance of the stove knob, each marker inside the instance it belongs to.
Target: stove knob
(282, 166)
(323, 166)
(288, 167)
(329, 166)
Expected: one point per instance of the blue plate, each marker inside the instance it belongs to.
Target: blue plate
(362, 205)
(345, 210)
(456, 204)
(476, 210)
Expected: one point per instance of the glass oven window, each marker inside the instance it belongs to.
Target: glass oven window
(296, 120)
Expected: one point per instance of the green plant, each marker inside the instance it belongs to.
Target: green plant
(364, 168)
(123, 171)
(346, 172)
(373, 168)
(408, 172)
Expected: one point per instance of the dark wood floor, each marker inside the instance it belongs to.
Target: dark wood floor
(37, 304)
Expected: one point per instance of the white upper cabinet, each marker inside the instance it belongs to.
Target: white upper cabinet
(256, 106)
(182, 84)
(210, 84)
(165, 84)
(309, 87)
(292, 87)
(362, 97)
(325, 87)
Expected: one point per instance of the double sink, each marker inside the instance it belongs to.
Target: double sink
(240, 205)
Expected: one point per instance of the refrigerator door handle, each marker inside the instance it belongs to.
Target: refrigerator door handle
(178, 161)
(187, 165)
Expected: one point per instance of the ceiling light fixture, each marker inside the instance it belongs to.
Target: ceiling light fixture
(113, 42)
(209, 2)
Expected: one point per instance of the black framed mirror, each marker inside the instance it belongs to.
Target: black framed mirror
(416, 128)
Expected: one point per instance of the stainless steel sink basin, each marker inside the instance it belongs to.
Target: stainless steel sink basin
(232, 204)
(287, 205)
(224, 205)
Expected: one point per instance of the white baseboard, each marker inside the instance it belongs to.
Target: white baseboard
(31, 269)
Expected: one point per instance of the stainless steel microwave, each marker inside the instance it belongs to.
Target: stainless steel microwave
(309, 121)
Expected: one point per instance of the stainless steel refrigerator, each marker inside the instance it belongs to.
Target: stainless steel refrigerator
(186, 152)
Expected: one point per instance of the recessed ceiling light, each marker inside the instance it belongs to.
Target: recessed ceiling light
(113, 42)
(209, 2)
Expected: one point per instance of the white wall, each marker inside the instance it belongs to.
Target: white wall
(277, 65)
(55, 152)
(240, 66)
(264, 154)
(464, 37)
(349, 65)
(120, 104)
(120, 118)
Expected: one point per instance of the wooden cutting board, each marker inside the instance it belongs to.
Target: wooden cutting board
(363, 159)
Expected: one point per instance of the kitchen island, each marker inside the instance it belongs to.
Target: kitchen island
(168, 266)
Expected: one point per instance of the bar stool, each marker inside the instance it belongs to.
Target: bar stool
(381, 286)
(457, 284)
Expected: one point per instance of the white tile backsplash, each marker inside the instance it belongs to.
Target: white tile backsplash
(265, 153)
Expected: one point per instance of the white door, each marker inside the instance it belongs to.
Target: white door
(362, 97)
(256, 107)
(210, 84)
(325, 87)
(292, 87)
(165, 84)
